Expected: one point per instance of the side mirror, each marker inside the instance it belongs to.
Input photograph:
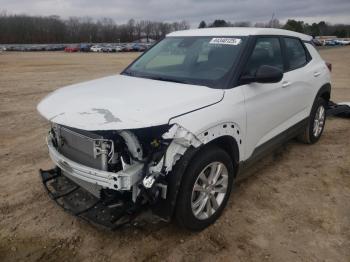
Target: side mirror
(264, 74)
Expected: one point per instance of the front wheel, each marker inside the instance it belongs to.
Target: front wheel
(205, 189)
(317, 120)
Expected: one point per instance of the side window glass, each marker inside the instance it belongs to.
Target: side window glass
(267, 51)
(295, 53)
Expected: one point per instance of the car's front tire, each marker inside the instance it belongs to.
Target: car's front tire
(316, 123)
(205, 188)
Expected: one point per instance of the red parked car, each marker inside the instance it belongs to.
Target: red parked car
(72, 48)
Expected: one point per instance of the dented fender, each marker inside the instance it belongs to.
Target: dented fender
(182, 139)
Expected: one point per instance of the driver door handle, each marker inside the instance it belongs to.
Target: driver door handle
(285, 84)
(316, 74)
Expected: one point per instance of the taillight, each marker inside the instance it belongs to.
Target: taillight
(329, 65)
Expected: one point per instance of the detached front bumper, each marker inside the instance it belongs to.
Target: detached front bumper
(122, 180)
(110, 212)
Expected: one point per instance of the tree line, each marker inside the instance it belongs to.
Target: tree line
(315, 29)
(23, 29)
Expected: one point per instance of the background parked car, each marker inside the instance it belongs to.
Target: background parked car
(118, 48)
(55, 47)
(342, 42)
(72, 48)
(128, 48)
(330, 43)
(109, 49)
(317, 42)
(96, 48)
(85, 47)
(139, 48)
(35, 48)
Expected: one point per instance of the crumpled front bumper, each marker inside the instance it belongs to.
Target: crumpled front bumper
(122, 180)
(110, 213)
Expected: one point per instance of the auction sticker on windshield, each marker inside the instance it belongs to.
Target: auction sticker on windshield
(225, 41)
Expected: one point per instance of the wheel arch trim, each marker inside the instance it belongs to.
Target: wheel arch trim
(324, 92)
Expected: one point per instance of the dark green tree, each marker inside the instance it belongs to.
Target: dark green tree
(314, 29)
(323, 27)
(219, 23)
(202, 24)
(293, 25)
(340, 33)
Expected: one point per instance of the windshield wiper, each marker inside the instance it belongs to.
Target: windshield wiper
(160, 78)
(129, 73)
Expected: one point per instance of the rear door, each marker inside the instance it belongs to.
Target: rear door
(298, 79)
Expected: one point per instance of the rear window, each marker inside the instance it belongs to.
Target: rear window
(295, 53)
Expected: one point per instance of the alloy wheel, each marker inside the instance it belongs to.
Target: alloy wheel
(209, 190)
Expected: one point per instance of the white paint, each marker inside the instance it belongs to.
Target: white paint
(182, 139)
(124, 102)
(238, 31)
(225, 41)
(231, 110)
(132, 144)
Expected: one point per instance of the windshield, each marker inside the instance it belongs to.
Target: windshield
(193, 60)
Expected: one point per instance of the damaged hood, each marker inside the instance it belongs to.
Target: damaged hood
(124, 102)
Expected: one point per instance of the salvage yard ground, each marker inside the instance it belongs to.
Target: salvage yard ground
(295, 206)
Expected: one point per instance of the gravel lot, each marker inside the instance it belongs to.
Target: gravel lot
(295, 206)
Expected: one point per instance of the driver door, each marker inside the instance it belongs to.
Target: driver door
(267, 104)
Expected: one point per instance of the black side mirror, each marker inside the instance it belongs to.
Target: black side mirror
(264, 74)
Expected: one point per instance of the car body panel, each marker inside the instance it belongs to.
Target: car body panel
(232, 112)
(124, 102)
(239, 31)
(320, 70)
(273, 108)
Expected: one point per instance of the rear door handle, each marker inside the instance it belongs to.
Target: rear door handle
(316, 74)
(285, 84)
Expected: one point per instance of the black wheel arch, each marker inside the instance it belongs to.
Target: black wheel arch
(324, 92)
(165, 207)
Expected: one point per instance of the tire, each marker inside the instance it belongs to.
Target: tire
(191, 200)
(316, 123)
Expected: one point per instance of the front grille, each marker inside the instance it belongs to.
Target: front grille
(80, 146)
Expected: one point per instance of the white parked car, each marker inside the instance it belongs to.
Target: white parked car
(342, 42)
(96, 48)
(118, 48)
(179, 125)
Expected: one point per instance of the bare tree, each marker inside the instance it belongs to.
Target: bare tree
(147, 29)
(274, 23)
(139, 29)
(130, 26)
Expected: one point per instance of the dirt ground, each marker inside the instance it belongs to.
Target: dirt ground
(295, 206)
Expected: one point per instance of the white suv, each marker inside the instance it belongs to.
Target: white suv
(175, 129)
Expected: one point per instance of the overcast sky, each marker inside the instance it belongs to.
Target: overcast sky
(193, 11)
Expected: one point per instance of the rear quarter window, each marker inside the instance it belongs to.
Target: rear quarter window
(295, 53)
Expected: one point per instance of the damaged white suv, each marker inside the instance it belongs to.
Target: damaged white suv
(175, 129)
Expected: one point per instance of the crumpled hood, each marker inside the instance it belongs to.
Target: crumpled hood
(124, 102)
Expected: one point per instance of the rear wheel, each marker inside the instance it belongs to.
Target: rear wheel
(317, 120)
(205, 189)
